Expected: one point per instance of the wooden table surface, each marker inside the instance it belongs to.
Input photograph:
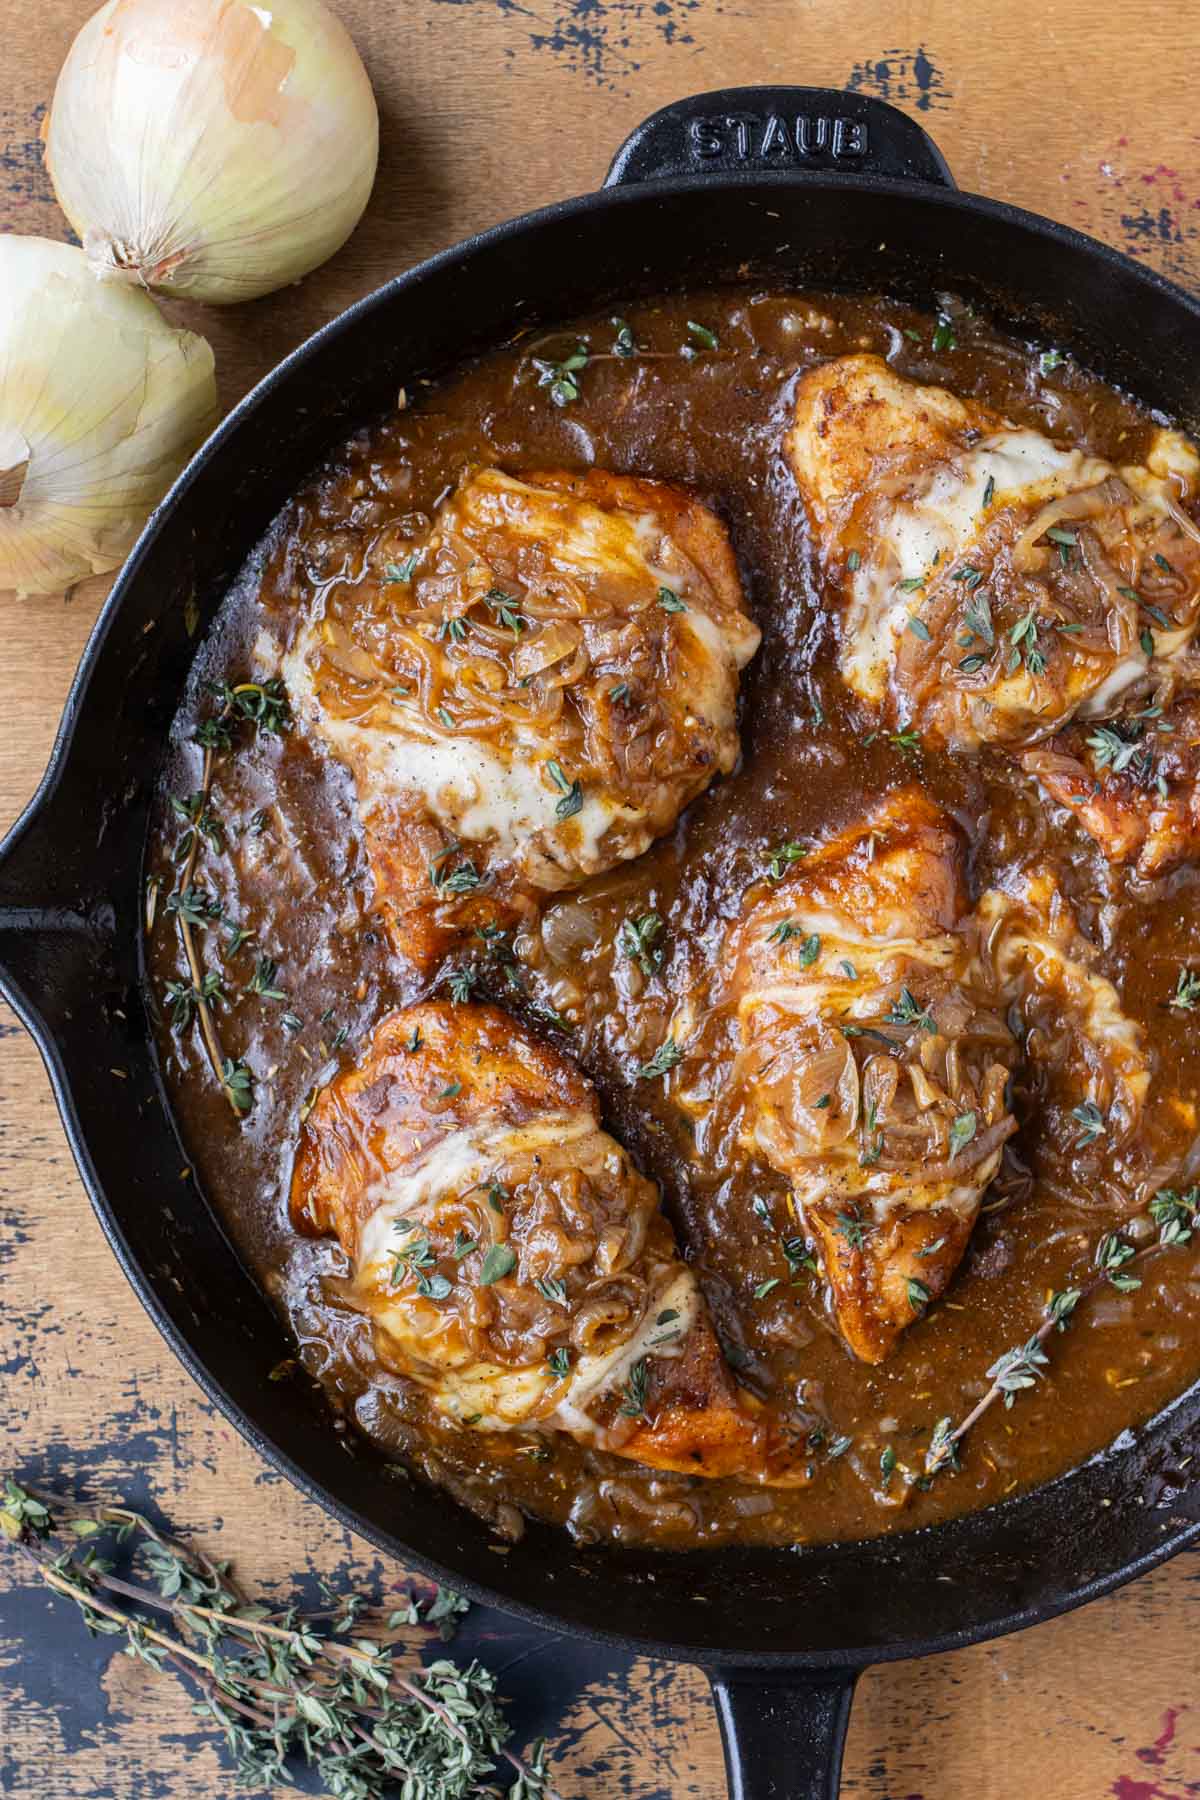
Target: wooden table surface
(490, 107)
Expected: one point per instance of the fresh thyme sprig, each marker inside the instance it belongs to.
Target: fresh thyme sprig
(322, 1687)
(561, 375)
(1177, 1217)
(265, 705)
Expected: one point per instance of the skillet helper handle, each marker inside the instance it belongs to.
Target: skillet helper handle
(56, 930)
(752, 130)
(783, 1734)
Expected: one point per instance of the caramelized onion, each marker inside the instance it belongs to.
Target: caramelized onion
(830, 1075)
(568, 929)
(607, 1307)
(1086, 503)
(978, 1150)
(623, 1496)
(1185, 524)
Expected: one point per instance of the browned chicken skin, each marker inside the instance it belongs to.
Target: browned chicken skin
(528, 693)
(875, 1060)
(514, 1262)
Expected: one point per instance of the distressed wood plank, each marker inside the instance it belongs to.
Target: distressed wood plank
(491, 107)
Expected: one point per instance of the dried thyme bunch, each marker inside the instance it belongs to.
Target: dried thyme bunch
(321, 1688)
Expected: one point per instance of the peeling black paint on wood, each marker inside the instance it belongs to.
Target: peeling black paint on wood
(23, 172)
(605, 41)
(905, 77)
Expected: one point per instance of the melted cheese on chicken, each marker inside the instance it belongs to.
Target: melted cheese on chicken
(529, 693)
(407, 1220)
(513, 1262)
(874, 1062)
(996, 583)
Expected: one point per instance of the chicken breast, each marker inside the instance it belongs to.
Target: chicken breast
(874, 1060)
(513, 1261)
(996, 584)
(1132, 782)
(528, 693)
(1076, 1028)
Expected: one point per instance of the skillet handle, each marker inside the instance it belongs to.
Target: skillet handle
(783, 1734)
(57, 931)
(794, 129)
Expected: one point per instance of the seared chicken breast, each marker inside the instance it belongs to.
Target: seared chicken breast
(996, 584)
(1132, 782)
(1075, 1025)
(874, 1060)
(513, 1261)
(527, 693)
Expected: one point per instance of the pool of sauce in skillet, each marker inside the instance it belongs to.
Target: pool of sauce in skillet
(291, 871)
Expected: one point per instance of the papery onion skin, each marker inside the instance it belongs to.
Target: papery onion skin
(212, 149)
(101, 404)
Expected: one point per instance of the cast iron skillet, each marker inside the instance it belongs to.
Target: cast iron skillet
(782, 184)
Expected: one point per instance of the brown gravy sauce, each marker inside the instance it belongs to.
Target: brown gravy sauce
(292, 872)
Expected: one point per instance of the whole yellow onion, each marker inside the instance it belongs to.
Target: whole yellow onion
(213, 149)
(101, 404)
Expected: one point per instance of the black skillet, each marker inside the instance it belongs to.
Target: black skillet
(792, 185)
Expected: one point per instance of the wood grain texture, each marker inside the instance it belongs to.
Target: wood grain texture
(491, 107)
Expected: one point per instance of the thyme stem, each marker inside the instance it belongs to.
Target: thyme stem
(948, 1441)
(265, 704)
(208, 1028)
(87, 1597)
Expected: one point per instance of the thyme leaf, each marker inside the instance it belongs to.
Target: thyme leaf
(961, 1132)
(851, 1227)
(1186, 997)
(263, 980)
(918, 1294)
(1091, 1122)
(639, 940)
(1018, 1368)
(238, 1082)
(907, 1011)
(634, 1404)
(463, 983)
(500, 1261)
(781, 859)
(667, 1057)
(562, 378)
(463, 878)
(571, 791)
